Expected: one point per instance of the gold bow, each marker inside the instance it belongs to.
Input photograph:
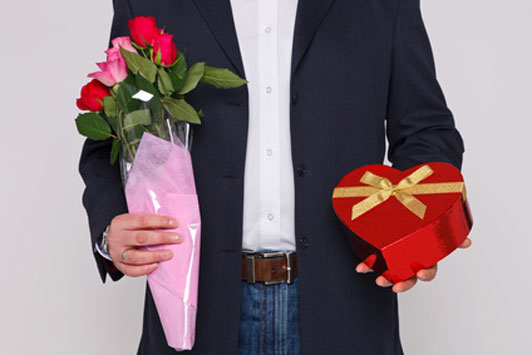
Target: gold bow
(381, 189)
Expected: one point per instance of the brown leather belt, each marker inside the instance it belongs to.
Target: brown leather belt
(269, 267)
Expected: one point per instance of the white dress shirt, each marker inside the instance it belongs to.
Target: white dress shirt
(265, 31)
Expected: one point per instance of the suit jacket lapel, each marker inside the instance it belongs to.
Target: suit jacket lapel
(219, 17)
(309, 16)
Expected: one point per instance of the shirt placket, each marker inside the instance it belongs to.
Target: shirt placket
(268, 64)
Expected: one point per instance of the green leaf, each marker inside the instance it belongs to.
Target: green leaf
(175, 95)
(156, 108)
(178, 71)
(93, 126)
(145, 85)
(180, 110)
(180, 66)
(176, 81)
(164, 82)
(138, 64)
(161, 87)
(137, 118)
(201, 114)
(221, 78)
(113, 122)
(124, 95)
(111, 113)
(155, 103)
(194, 75)
(115, 148)
(109, 106)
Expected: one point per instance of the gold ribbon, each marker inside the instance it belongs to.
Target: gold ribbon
(381, 189)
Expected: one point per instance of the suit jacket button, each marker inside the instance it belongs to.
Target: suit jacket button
(301, 170)
(304, 242)
(294, 99)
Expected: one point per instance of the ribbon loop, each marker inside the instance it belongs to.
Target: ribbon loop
(387, 189)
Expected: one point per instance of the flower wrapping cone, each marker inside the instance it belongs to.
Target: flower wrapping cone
(161, 182)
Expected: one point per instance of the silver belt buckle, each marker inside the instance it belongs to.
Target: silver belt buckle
(289, 265)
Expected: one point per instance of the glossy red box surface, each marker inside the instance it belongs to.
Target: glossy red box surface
(415, 217)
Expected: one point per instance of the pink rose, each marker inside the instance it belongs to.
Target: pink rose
(92, 95)
(114, 70)
(124, 42)
(143, 30)
(164, 44)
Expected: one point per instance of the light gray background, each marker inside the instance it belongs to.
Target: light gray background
(51, 298)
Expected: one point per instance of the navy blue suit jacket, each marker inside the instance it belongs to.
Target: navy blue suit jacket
(362, 70)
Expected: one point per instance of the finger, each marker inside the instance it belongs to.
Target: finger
(466, 244)
(135, 270)
(115, 253)
(383, 281)
(132, 221)
(148, 237)
(363, 268)
(142, 257)
(404, 285)
(427, 274)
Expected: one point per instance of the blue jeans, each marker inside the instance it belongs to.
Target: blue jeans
(269, 319)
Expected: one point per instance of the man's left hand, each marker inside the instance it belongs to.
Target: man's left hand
(423, 275)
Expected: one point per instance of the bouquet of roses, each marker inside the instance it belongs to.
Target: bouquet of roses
(137, 100)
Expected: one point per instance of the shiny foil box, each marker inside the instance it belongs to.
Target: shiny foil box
(399, 222)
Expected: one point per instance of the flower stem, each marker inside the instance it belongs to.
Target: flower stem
(122, 133)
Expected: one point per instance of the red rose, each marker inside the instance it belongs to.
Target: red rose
(143, 30)
(92, 96)
(164, 44)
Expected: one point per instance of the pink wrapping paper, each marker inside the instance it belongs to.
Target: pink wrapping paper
(161, 182)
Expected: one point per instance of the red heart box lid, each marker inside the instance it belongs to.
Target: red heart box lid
(403, 221)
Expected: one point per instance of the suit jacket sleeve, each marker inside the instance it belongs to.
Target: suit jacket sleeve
(103, 197)
(420, 127)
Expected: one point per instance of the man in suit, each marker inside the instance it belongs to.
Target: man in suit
(328, 81)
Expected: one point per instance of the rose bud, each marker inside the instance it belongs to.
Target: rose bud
(92, 95)
(124, 42)
(165, 49)
(143, 30)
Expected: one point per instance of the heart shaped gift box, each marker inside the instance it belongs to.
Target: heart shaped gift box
(400, 222)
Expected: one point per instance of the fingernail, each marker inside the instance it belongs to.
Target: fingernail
(166, 255)
(383, 283)
(176, 238)
(172, 222)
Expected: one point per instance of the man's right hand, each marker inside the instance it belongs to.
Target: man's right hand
(129, 231)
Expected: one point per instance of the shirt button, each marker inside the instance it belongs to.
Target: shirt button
(268, 89)
(301, 170)
(267, 29)
(270, 216)
(269, 152)
(304, 242)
